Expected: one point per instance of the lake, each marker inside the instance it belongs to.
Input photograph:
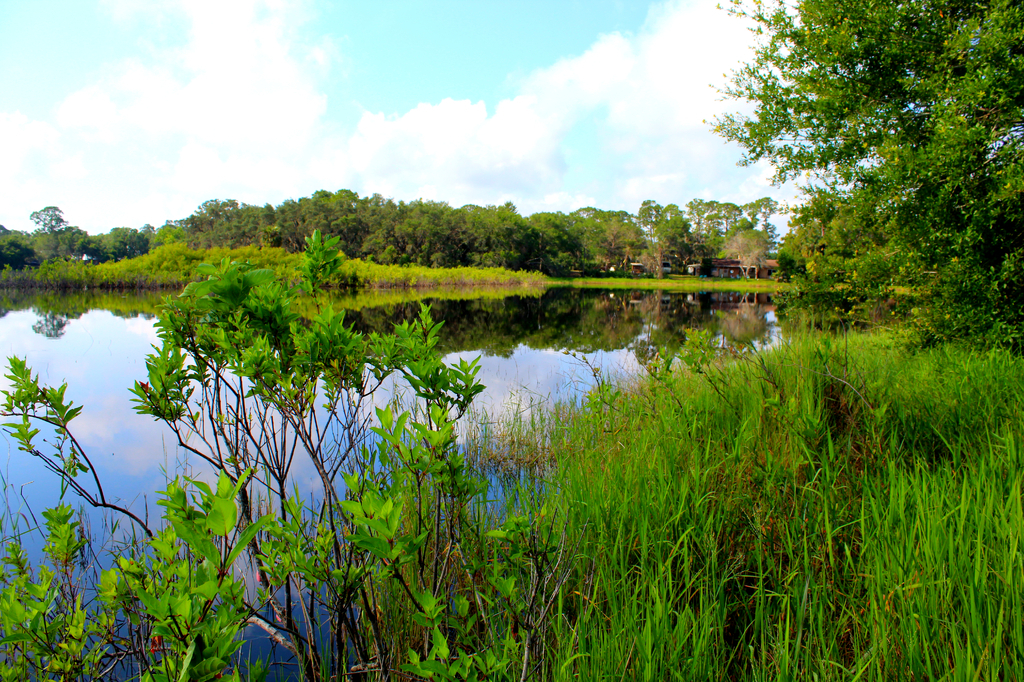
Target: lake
(98, 343)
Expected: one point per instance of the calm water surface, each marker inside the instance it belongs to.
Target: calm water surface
(98, 345)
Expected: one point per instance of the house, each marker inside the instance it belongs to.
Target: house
(732, 268)
(768, 270)
(637, 268)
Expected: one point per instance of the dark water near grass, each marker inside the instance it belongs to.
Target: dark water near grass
(98, 345)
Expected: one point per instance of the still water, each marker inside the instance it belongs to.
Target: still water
(98, 345)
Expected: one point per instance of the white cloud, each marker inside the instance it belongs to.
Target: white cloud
(558, 201)
(69, 168)
(239, 82)
(233, 109)
(227, 100)
(657, 89)
(457, 146)
(653, 96)
(20, 139)
(90, 108)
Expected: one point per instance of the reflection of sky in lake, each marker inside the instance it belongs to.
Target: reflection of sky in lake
(101, 355)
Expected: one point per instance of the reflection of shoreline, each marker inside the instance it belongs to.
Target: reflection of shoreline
(521, 339)
(737, 317)
(732, 300)
(584, 320)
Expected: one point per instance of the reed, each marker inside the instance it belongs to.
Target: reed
(837, 508)
(173, 266)
(372, 275)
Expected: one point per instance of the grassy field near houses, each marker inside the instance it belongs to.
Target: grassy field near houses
(675, 283)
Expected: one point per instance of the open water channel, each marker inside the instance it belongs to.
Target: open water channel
(98, 344)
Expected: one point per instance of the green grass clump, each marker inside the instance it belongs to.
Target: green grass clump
(674, 283)
(166, 267)
(178, 263)
(175, 265)
(373, 275)
(830, 510)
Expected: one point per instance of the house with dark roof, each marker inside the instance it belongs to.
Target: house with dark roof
(732, 268)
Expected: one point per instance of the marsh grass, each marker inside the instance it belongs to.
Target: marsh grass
(835, 509)
(170, 266)
(372, 275)
(174, 265)
(687, 283)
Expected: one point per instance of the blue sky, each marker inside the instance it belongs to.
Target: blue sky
(126, 112)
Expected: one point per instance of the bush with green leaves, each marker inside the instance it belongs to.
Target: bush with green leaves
(391, 565)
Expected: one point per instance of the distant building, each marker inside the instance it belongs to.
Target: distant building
(732, 268)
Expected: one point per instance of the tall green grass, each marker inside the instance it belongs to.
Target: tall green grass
(374, 275)
(166, 267)
(175, 265)
(834, 509)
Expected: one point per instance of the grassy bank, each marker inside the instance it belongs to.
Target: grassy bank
(833, 510)
(673, 283)
(166, 267)
(175, 265)
(374, 276)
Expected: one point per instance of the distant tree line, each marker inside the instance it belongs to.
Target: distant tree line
(431, 233)
(54, 237)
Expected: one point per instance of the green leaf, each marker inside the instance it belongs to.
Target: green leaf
(247, 535)
(222, 517)
(187, 662)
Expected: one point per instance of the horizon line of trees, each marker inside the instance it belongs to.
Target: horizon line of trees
(431, 233)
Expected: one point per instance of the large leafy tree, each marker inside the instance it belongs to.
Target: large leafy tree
(650, 217)
(54, 237)
(911, 113)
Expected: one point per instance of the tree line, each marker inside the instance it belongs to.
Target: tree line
(432, 233)
(907, 118)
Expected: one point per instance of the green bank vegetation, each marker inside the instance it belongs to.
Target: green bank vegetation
(837, 508)
(675, 283)
(431, 234)
(906, 121)
(175, 265)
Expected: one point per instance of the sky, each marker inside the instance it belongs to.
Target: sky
(128, 112)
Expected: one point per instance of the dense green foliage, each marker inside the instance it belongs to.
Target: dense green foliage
(172, 266)
(435, 234)
(910, 117)
(423, 233)
(393, 566)
(832, 509)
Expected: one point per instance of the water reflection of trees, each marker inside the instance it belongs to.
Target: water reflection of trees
(51, 325)
(74, 305)
(645, 322)
(586, 320)
(56, 311)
